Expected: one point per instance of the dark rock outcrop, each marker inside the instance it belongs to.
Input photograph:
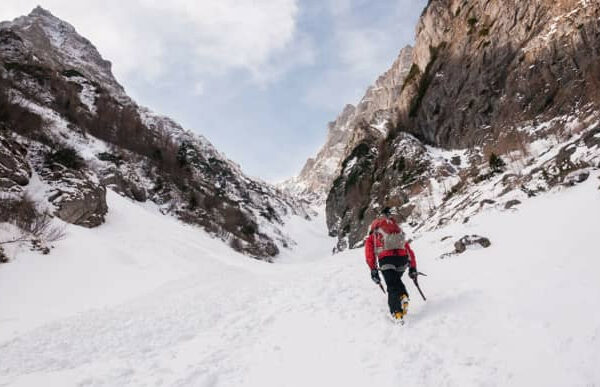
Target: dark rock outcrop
(114, 179)
(511, 204)
(365, 185)
(77, 196)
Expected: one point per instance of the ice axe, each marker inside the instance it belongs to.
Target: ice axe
(416, 281)
(381, 287)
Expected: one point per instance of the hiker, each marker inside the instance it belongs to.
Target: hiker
(386, 247)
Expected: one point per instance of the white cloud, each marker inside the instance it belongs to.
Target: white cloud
(300, 52)
(363, 50)
(365, 46)
(148, 37)
(340, 7)
(198, 89)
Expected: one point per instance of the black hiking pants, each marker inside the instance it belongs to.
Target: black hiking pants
(392, 269)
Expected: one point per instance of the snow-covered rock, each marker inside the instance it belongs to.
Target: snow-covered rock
(468, 241)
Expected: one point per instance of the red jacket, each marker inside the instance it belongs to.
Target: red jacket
(389, 225)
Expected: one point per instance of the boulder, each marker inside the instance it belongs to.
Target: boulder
(511, 203)
(583, 176)
(87, 208)
(77, 195)
(486, 202)
(576, 178)
(469, 241)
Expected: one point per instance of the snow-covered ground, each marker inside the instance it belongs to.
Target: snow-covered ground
(147, 301)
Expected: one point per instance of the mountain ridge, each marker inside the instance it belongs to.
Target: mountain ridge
(318, 173)
(59, 96)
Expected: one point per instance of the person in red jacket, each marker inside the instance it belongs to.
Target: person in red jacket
(387, 248)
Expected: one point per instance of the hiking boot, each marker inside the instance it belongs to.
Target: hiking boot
(398, 315)
(404, 301)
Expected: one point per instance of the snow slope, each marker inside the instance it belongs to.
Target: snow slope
(145, 300)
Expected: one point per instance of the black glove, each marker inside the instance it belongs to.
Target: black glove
(412, 273)
(375, 276)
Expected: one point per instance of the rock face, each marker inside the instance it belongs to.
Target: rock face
(485, 66)
(375, 109)
(77, 196)
(486, 77)
(57, 91)
(380, 97)
(356, 192)
(353, 183)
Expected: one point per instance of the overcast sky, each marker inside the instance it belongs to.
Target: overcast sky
(259, 78)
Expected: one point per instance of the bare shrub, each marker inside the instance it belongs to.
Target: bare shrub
(67, 157)
(18, 211)
(513, 145)
(42, 228)
(111, 157)
(507, 143)
(34, 225)
(497, 165)
(20, 119)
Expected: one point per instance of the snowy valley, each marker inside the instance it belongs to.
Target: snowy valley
(145, 300)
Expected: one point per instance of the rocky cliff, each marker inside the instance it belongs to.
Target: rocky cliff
(484, 66)
(375, 109)
(69, 131)
(513, 79)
